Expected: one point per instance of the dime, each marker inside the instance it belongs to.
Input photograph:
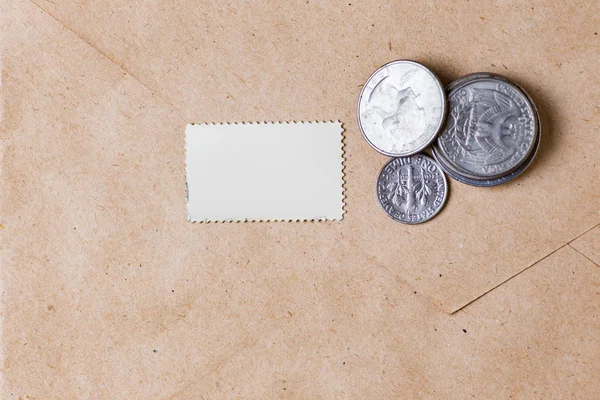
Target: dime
(401, 108)
(412, 189)
(492, 127)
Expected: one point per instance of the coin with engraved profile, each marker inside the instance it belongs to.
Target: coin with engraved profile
(492, 128)
(412, 189)
(401, 108)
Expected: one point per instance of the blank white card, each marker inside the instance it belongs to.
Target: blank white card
(264, 171)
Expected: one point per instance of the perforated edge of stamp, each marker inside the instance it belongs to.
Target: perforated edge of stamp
(334, 210)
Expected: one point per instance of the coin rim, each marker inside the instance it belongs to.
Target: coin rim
(441, 124)
(443, 200)
(491, 182)
(477, 76)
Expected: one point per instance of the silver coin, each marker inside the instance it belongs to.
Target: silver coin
(401, 108)
(491, 129)
(490, 182)
(412, 189)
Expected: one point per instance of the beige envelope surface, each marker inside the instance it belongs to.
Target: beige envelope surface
(234, 62)
(109, 292)
(588, 244)
(536, 337)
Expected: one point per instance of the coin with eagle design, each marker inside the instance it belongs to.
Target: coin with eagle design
(495, 181)
(412, 189)
(492, 127)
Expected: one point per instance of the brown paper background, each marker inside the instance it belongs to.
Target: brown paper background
(588, 244)
(108, 292)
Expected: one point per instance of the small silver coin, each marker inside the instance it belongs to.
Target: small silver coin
(401, 108)
(492, 127)
(412, 189)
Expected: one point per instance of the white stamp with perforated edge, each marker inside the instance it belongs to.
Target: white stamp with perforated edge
(265, 171)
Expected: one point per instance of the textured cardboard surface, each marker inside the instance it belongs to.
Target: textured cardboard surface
(108, 291)
(535, 337)
(218, 62)
(588, 244)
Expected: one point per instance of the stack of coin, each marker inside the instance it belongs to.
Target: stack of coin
(490, 136)
(492, 133)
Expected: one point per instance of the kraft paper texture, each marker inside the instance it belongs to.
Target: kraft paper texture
(109, 292)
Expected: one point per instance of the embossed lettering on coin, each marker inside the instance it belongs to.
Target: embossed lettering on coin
(401, 108)
(412, 189)
(491, 127)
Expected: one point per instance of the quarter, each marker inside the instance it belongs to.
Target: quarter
(412, 189)
(492, 127)
(496, 181)
(401, 108)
